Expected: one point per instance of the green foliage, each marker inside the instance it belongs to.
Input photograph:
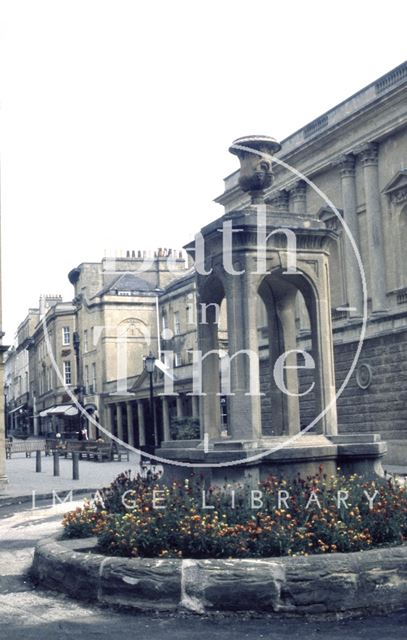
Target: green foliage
(139, 517)
(83, 522)
(186, 428)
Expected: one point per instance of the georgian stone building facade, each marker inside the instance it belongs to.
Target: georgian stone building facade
(353, 157)
(356, 155)
(41, 370)
(128, 307)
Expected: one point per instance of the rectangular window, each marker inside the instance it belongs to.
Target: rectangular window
(86, 378)
(67, 372)
(177, 324)
(224, 411)
(177, 359)
(94, 377)
(66, 335)
(85, 341)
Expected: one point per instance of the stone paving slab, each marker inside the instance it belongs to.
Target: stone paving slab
(397, 470)
(23, 479)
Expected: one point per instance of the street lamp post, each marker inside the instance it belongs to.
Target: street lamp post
(79, 390)
(6, 408)
(149, 363)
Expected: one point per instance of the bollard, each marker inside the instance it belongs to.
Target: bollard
(75, 465)
(56, 463)
(38, 461)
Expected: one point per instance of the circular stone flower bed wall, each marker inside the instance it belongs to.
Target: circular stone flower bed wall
(374, 580)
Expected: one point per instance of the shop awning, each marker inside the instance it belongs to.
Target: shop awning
(17, 408)
(72, 411)
(68, 410)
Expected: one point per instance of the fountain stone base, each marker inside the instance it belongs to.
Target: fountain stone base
(253, 461)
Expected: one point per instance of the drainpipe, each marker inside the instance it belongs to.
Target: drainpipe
(158, 327)
(35, 417)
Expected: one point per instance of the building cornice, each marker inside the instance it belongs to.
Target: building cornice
(305, 153)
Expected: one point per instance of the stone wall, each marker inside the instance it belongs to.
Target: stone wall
(374, 580)
(381, 407)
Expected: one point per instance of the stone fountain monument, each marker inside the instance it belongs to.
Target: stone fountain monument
(258, 251)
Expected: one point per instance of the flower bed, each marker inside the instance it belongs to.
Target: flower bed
(136, 517)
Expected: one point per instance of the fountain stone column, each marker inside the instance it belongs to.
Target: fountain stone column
(253, 251)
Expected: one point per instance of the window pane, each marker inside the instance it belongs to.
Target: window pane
(67, 372)
(66, 335)
(177, 324)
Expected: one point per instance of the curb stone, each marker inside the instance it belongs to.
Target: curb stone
(14, 500)
(352, 583)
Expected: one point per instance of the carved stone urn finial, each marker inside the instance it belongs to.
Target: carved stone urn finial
(255, 155)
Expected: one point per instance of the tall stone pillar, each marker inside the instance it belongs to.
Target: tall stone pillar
(353, 275)
(195, 406)
(275, 344)
(287, 317)
(91, 430)
(130, 423)
(298, 197)
(322, 347)
(141, 423)
(369, 158)
(166, 419)
(209, 406)
(110, 408)
(180, 408)
(279, 201)
(244, 401)
(280, 303)
(119, 417)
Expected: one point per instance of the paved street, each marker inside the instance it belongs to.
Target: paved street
(27, 613)
(23, 478)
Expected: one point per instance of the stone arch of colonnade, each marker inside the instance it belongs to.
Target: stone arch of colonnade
(288, 382)
(279, 292)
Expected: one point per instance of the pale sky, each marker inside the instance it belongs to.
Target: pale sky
(116, 115)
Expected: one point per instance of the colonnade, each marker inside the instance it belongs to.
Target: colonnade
(278, 290)
(130, 421)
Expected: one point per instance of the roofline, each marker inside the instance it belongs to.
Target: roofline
(400, 67)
